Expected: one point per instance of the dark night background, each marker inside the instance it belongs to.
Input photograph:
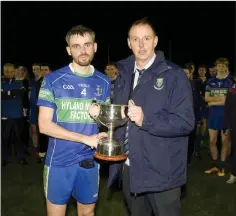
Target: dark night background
(199, 31)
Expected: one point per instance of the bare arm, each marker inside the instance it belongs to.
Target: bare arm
(48, 127)
(209, 98)
(218, 103)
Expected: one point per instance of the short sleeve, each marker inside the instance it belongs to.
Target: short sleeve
(46, 95)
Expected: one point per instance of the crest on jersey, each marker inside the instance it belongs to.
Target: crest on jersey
(159, 84)
(98, 92)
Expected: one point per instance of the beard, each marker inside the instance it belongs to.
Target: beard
(83, 59)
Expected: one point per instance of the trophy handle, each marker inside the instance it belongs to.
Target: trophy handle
(94, 102)
(124, 113)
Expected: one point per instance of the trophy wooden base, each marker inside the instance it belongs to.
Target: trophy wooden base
(110, 158)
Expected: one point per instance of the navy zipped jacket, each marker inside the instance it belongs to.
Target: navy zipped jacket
(157, 149)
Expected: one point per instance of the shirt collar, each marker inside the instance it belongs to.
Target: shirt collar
(71, 68)
(147, 65)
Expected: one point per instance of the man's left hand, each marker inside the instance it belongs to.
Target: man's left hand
(135, 113)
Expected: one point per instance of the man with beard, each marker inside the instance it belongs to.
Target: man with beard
(63, 101)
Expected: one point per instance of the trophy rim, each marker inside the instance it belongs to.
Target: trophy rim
(114, 105)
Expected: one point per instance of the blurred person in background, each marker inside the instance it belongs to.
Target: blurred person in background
(43, 139)
(12, 108)
(45, 69)
(21, 73)
(216, 91)
(33, 118)
(112, 72)
(197, 101)
(212, 71)
(202, 127)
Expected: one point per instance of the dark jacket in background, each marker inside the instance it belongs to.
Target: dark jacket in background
(12, 94)
(198, 101)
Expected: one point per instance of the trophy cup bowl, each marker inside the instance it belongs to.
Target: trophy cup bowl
(111, 116)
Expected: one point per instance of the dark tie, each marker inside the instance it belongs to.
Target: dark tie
(126, 147)
(140, 72)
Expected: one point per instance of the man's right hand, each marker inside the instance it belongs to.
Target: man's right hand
(92, 140)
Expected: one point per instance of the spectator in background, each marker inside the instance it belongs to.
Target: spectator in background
(191, 67)
(112, 72)
(12, 93)
(202, 71)
(45, 69)
(33, 117)
(43, 139)
(21, 73)
(212, 71)
(202, 127)
(193, 146)
(215, 95)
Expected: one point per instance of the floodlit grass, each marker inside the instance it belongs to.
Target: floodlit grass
(22, 193)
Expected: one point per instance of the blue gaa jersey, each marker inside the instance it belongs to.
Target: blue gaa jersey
(70, 94)
(218, 87)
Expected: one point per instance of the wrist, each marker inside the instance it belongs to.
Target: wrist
(82, 138)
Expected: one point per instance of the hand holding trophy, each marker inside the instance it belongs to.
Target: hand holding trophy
(111, 116)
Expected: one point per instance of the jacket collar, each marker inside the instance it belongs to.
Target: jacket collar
(126, 66)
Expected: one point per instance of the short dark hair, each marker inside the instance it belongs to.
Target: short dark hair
(187, 66)
(37, 64)
(112, 63)
(202, 66)
(143, 21)
(211, 65)
(79, 30)
(47, 65)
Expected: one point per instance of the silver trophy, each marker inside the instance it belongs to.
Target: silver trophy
(111, 116)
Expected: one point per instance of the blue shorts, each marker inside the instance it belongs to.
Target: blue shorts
(33, 117)
(216, 119)
(60, 183)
